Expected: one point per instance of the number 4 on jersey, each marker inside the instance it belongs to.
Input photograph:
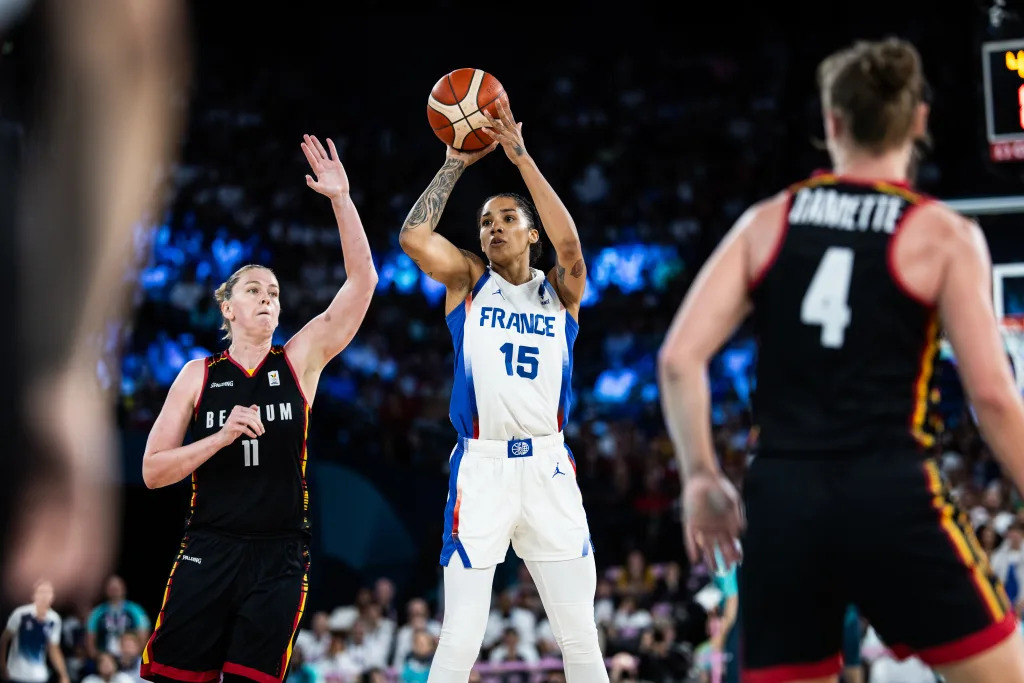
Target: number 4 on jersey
(825, 302)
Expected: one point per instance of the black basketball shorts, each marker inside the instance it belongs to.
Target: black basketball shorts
(877, 531)
(230, 606)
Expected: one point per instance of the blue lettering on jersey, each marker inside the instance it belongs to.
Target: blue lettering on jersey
(523, 323)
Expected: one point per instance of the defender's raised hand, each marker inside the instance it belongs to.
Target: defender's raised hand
(331, 180)
(507, 132)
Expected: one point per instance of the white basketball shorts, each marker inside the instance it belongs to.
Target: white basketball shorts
(522, 491)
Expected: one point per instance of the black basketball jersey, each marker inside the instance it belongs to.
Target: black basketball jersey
(253, 487)
(846, 355)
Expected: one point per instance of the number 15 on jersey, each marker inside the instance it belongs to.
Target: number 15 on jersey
(526, 361)
(826, 302)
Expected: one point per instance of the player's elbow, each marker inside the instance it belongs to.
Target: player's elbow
(365, 281)
(150, 476)
(411, 242)
(675, 361)
(370, 278)
(992, 399)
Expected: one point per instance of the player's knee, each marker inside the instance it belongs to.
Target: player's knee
(457, 652)
(576, 634)
(460, 641)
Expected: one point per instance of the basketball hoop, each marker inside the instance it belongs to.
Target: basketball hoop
(1012, 328)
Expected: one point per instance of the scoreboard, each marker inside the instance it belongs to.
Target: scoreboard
(1003, 72)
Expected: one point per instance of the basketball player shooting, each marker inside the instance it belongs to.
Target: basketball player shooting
(847, 275)
(238, 587)
(512, 475)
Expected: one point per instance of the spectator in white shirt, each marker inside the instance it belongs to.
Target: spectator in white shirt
(379, 632)
(338, 665)
(384, 595)
(1008, 562)
(418, 617)
(367, 653)
(130, 659)
(512, 650)
(547, 645)
(991, 510)
(885, 668)
(629, 619)
(314, 642)
(33, 631)
(106, 671)
(604, 601)
(342, 618)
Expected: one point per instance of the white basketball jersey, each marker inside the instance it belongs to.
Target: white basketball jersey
(513, 360)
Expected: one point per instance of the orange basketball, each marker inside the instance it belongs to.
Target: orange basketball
(455, 106)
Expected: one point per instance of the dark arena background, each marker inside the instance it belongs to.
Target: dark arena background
(657, 132)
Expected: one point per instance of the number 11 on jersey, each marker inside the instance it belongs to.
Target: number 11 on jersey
(252, 452)
(826, 300)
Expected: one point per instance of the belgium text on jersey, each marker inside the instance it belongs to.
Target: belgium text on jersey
(267, 413)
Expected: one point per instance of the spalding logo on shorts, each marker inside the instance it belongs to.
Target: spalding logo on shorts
(521, 448)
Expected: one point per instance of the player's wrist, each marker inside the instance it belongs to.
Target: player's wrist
(221, 439)
(524, 161)
(701, 469)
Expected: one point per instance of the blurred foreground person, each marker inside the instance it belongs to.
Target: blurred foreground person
(847, 276)
(76, 182)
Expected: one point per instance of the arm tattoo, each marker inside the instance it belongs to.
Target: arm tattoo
(577, 270)
(518, 149)
(431, 203)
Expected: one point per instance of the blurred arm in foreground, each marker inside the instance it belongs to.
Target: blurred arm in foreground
(108, 125)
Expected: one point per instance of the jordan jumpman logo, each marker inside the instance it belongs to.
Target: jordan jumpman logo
(557, 471)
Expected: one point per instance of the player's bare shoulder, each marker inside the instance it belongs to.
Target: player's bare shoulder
(762, 228)
(931, 237)
(934, 230)
(189, 382)
(953, 226)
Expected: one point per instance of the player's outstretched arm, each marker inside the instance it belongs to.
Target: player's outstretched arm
(455, 268)
(570, 273)
(326, 335)
(965, 307)
(714, 306)
(166, 461)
